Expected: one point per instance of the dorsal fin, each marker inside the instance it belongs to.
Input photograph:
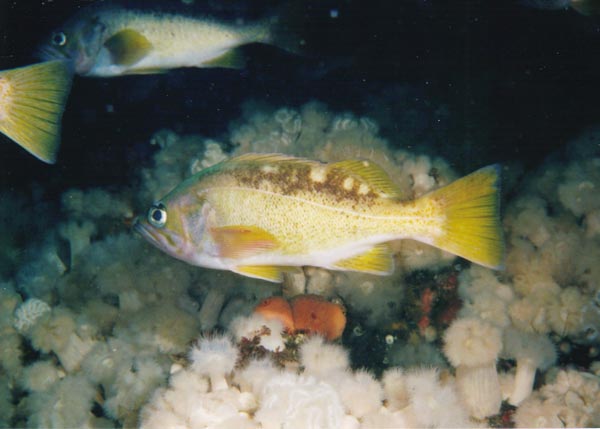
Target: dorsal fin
(249, 158)
(371, 174)
(127, 47)
(260, 159)
(363, 171)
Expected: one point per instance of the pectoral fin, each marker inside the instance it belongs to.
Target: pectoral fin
(264, 272)
(377, 260)
(127, 47)
(240, 241)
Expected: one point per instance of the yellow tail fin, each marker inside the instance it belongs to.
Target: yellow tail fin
(32, 101)
(472, 227)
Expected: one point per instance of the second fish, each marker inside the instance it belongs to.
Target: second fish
(114, 41)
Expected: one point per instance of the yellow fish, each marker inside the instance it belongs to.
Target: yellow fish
(260, 214)
(32, 101)
(113, 41)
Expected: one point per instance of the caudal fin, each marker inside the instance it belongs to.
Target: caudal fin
(472, 227)
(287, 27)
(32, 101)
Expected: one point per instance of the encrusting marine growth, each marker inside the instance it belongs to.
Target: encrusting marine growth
(119, 334)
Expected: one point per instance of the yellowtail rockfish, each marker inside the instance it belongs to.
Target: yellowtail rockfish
(261, 214)
(32, 101)
(114, 41)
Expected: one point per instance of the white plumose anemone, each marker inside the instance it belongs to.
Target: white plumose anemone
(472, 346)
(39, 376)
(214, 358)
(360, 392)
(323, 359)
(255, 375)
(394, 388)
(254, 325)
(532, 352)
(533, 413)
(432, 404)
(297, 401)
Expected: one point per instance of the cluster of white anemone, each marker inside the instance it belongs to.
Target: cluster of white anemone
(323, 392)
(107, 322)
(554, 246)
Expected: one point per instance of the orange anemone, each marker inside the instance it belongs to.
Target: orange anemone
(315, 315)
(310, 314)
(277, 308)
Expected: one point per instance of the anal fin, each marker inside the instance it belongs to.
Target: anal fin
(232, 59)
(264, 272)
(146, 70)
(377, 260)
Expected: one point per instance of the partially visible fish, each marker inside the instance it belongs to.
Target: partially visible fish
(32, 101)
(584, 7)
(114, 41)
(260, 214)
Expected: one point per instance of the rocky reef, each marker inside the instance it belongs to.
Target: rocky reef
(99, 329)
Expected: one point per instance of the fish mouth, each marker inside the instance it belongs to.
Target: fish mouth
(48, 52)
(147, 232)
(162, 240)
(78, 62)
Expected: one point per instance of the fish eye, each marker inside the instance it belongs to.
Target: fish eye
(59, 38)
(157, 215)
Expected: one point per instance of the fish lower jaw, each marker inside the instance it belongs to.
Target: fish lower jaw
(208, 261)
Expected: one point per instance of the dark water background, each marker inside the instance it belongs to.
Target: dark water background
(518, 82)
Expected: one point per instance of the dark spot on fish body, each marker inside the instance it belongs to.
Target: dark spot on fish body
(294, 179)
(286, 178)
(334, 185)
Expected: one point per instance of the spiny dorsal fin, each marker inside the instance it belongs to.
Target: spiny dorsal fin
(377, 260)
(371, 174)
(258, 158)
(127, 47)
(364, 171)
(239, 241)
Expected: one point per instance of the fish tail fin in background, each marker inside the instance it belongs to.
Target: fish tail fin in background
(546, 4)
(286, 28)
(586, 7)
(472, 228)
(32, 101)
